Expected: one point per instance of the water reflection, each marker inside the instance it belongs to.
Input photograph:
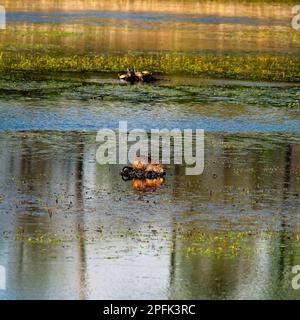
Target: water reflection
(103, 240)
(170, 6)
(146, 184)
(153, 26)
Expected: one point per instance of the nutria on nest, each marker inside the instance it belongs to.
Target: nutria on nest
(133, 76)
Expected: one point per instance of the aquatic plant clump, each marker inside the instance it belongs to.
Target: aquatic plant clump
(232, 66)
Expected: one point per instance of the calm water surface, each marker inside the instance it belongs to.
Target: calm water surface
(188, 26)
(73, 229)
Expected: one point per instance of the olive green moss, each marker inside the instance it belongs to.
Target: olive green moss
(243, 67)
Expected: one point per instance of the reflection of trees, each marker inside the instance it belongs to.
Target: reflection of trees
(110, 34)
(283, 226)
(200, 277)
(285, 246)
(41, 165)
(40, 169)
(266, 273)
(170, 6)
(252, 172)
(80, 217)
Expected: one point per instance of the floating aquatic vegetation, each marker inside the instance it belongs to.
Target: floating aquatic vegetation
(39, 238)
(229, 244)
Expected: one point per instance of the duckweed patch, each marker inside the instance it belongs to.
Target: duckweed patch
(39, 238)
(241, 67)
(230, 244)
(196, 242)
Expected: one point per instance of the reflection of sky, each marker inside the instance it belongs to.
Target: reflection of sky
(77, 115)
(85, 16)
(2, 278)
(255, 284)
(84, 271)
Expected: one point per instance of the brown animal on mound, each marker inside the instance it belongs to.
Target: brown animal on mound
(133, 76)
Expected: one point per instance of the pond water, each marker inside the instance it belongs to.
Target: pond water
(188, 26)
(96, 102)
(73, 229)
